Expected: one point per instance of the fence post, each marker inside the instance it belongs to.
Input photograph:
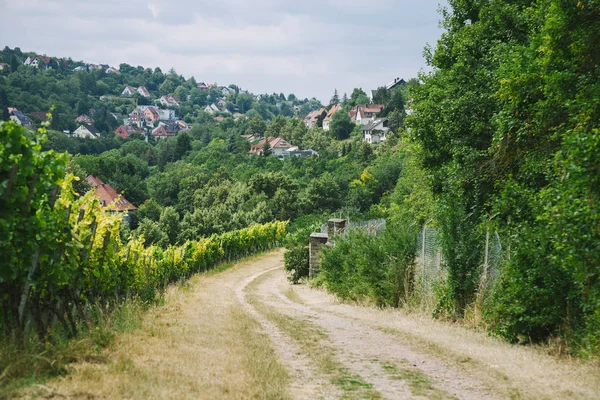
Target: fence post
(423, 252)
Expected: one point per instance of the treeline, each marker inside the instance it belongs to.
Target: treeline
(505, 135)
(63, 254)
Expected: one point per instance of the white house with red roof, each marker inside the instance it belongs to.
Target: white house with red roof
(277, 145)
(169, 101)
(362, 114)
(110, 200)
(143, 91)
(128, 91)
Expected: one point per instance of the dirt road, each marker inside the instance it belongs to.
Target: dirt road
(247, 333)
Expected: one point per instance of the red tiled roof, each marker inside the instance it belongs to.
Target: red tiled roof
(274, 142)
(122, 131)
(39, 114)
(365, 108)
(332, 111)
(109, 198)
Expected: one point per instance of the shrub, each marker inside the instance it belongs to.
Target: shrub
(296, 262)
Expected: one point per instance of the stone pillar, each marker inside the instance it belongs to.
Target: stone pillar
(335, 226)
(316, 242)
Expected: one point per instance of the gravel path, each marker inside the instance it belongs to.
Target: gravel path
(247, 333)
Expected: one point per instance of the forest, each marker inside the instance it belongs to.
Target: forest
(503, 133)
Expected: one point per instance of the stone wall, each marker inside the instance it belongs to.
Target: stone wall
(316, 242)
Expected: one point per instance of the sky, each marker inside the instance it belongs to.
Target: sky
(305, 47)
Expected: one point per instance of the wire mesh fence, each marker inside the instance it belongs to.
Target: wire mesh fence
(370, 227)
(431, 272)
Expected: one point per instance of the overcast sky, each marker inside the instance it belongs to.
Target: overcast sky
(305, 47)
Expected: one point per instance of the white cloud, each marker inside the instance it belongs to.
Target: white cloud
(308, 47)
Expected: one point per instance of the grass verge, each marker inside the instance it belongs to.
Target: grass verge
(37, 362)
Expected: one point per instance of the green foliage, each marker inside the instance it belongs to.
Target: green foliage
(341, 125)
(295, 263)
(65, 253)
(367, 267)
(508, 126)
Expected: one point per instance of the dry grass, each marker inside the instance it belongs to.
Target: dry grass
(198, 345)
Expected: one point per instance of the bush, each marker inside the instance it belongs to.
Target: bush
(296, 262)
(378, 268)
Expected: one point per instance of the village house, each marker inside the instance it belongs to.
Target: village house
(362, 114)
(327, 119)
(375, 131)
(86, 131)
(169, 101)
(161, 132)
(225, 91)
(110, 200)
(128, 91)
(278, 146)
(166, 115)
(183, 126)
(312, 118)
(19, 118)
(203, 87)
(4, 66)
(125, 131)
(212, 108)
(112, 70)
(38, 62)
(396, 82)
(143, 91)
(151, 115)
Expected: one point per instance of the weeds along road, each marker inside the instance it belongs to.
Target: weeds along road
(246, 333)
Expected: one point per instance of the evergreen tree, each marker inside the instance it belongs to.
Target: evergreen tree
(335, 99)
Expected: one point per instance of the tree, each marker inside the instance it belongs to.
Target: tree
(169, 223)
(341, 125)
(357, 97)
(266, 149)
(182, 146)
(256, 126)
(321, 118)
(335, 99)
(381, 95)
(3, 101)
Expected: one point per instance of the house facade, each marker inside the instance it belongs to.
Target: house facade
(19, 118)
(362, 114)
(169, 101)
(128, 91)
(110, 200)
(278, 146)
(313, 117)
(327, 120)
(86, 131)
(143, 91)
(375, 131)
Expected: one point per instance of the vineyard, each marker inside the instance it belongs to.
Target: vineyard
(61, 253)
